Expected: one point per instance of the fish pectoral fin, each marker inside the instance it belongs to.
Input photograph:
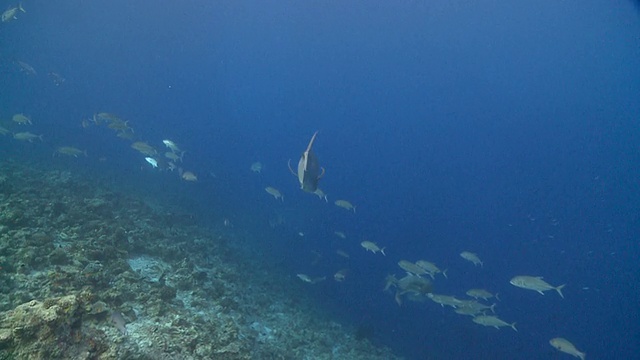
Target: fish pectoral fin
(290, 169)
(321, 174)
(540, 292)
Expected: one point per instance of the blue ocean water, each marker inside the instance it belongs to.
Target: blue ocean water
(509, 129)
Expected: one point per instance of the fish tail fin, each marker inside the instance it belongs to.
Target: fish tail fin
(354, 209)
(382, 251)
(40, 137)
(444, 273)
(493, 308)
(559, 290)
(481, 264)
(581, 355)
(21, 8)
(513, 326)
(85, 153)
(497, 297)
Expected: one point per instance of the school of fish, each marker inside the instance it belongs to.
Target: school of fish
(417, 281)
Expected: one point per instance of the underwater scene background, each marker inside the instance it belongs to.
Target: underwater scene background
(147, 209)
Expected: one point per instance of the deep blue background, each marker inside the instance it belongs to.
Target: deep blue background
(505, 128)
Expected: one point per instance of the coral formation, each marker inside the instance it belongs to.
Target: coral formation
(89, 272)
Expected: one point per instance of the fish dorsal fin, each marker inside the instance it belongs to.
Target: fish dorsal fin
(313, 138)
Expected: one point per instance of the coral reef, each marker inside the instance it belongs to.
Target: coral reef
(90, 272)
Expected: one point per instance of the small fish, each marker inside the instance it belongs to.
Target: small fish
(3, 131)
(476, 306)
(26, 136)
(189, 176)
(56, 78)
(173, 156)
(481, 294)
(118, 320)
(431, 268)
(411, 268)
(341, 275)
(496, 322)
(306, 278)
(171, 145)
(342, 253)
(469, 256)
(535, 283)
(105, 116)
(309, 170)
(468, 311)
(567, 347)
(345, 205)
(70, 151)
(127, 135)
(119, 125)
(21, 119)
(26, 68)
(321, 195)
(373, 247)
(11, 12)
(274, 192)
(144, 148)
(340, 234)
(153, 162)
(445, 300)
(256, 167)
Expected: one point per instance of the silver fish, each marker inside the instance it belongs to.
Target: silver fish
(309, 170)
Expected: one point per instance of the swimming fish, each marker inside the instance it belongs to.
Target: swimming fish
(535, 283)
(309, 170)
(274, 192)
(118, 320)
(473, 258)
(373, 247)
(70, 151)
(189, 176)
(566, 347)
(345, 205)
(26, 136)
(494, 321)
(11, 12)
(171, 145)
(153, 162)
(21, 119)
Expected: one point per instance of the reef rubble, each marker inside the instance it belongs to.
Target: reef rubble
(92, 272)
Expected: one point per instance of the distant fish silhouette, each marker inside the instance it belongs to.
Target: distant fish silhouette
(309, 170)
